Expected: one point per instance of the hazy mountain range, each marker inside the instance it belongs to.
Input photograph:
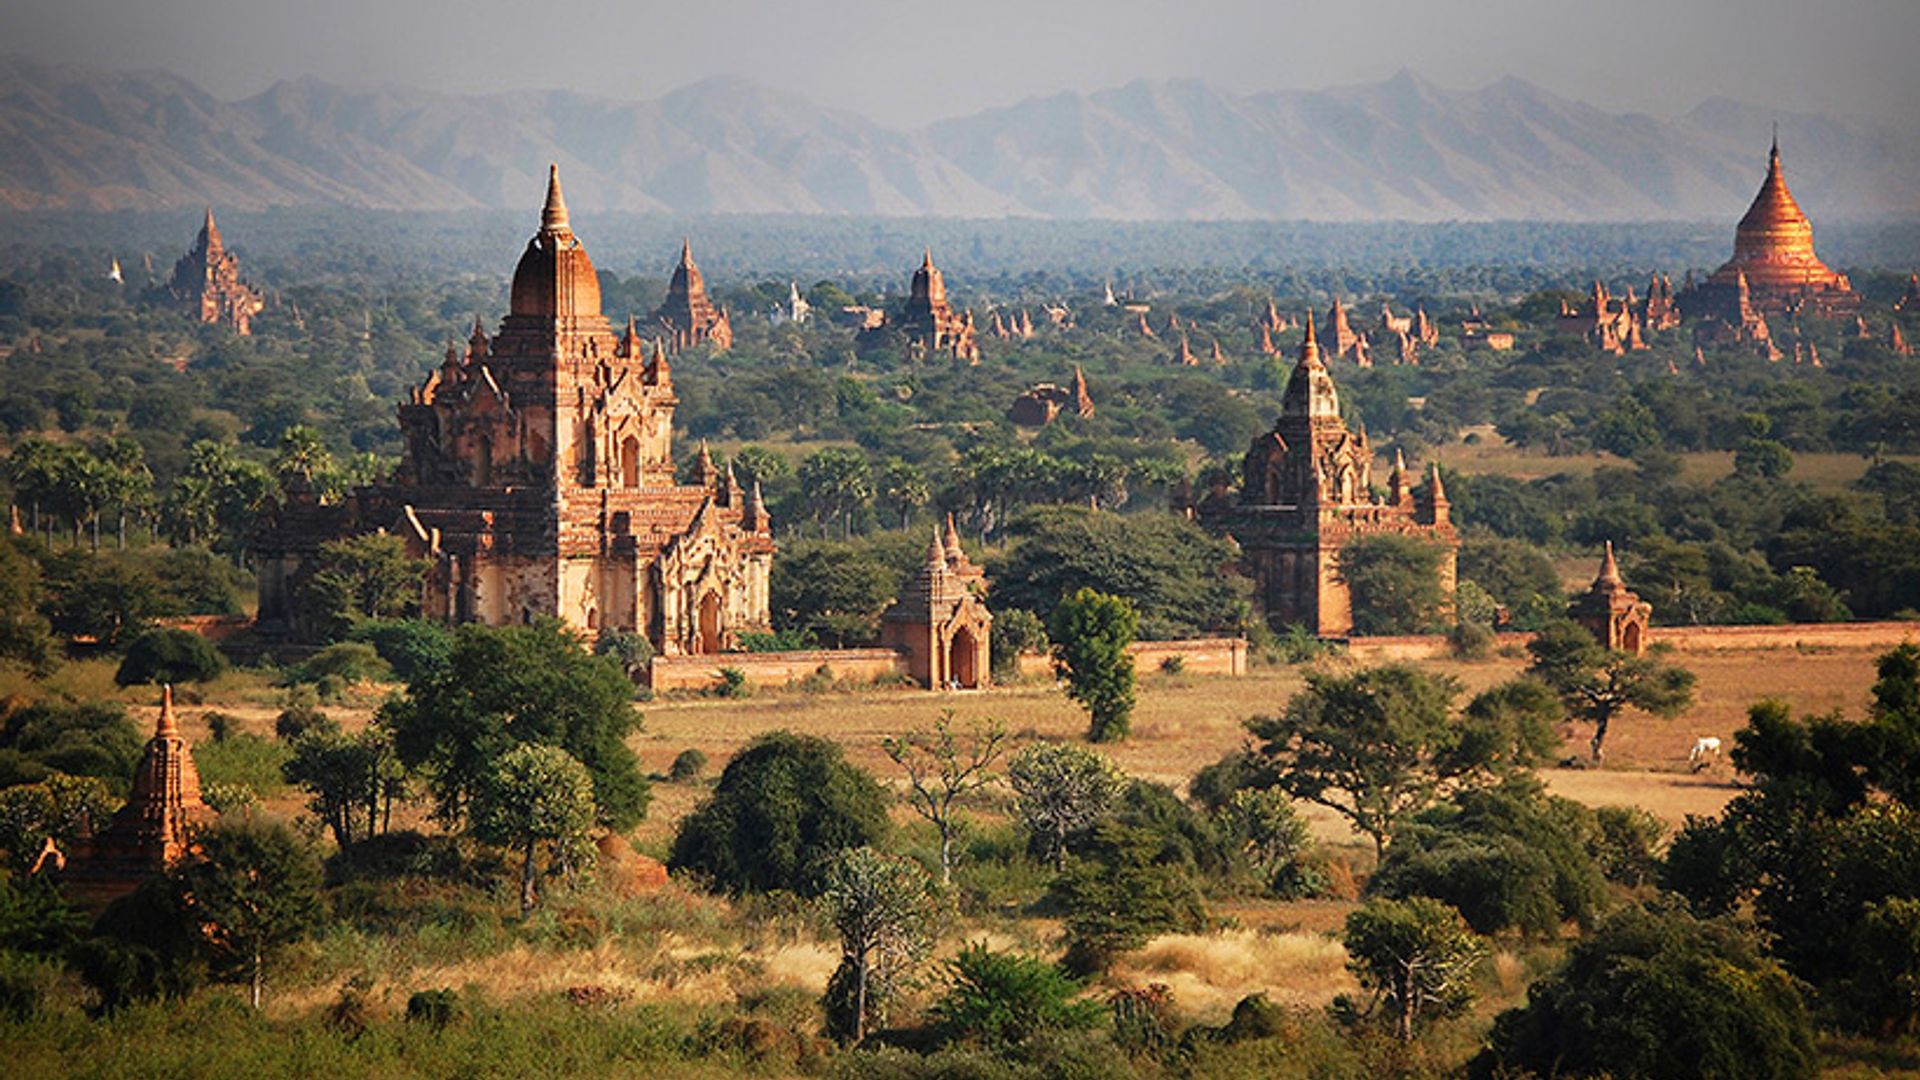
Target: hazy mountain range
(1401, 149)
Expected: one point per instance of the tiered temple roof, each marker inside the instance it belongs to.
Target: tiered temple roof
(687, 317)
(1773, 251)
(206, 283)
(153, 830)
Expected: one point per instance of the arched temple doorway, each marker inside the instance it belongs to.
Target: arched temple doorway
(962, 660)
(709, 626)
(630, 462)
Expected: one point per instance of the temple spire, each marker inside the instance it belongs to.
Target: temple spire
(211, 231)
(553, 216)
(1609, 570)
(1310, 345)
(167, 727)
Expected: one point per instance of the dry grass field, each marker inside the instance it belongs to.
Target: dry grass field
(1489, 453)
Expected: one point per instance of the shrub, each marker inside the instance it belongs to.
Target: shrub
(1015, 631)
(1173, 665)
(348, 662)
(1001, 998)
(784, 806)
(688, 765)
(1628, 845)
(300, 719)
(1143, 1019)
(1469, 640)
(92, 739)
(227, 798)
(733, 684)
(1654, 993)
(23, 983)
(410, 646)
(1416, 957)
(165, 655)
(632, 651)
(1116, 895)
(434, 1008)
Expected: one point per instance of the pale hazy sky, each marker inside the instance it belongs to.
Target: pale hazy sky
(906, 62)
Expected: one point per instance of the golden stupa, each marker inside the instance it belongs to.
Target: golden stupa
(1773, 249)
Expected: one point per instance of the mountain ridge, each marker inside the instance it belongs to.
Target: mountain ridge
(1182, 149)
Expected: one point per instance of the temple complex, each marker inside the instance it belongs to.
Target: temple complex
(538, 481)
(1306, 493)
(1773, 252)
(206, 284)
(940, 622)
(152, 831)
(1604, 321)
(1613, 613)
(1044, 402)
(686, 316)
(931, 324)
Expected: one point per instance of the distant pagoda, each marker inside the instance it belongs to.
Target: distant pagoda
(206, 283)
(1773, 250)
(687, 317)
(153, 830)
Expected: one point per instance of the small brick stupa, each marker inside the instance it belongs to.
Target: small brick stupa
(153, 830)
(1613, 613)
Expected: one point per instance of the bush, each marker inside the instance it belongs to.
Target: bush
(348, 662)
(688, 765)
(1001, 998)
(23, 983)
(220, 725)
(1015, 631)
(733, 684)
(1116, 896)
(784, 806)
(1469, 640)
(166, 655)
(299, 719)
(411, 647)
(632, 651)
(1656, 993)
(95, 739)
(434, 1008)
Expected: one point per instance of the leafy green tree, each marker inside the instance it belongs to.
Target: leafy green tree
(836, 482)
(506, 686)
(1512, 857)
(61, 807)
(1015, 631)
(1060, 791)
(833, 590)
(1515, 572)
(107, 599)
(1883, 991)
(632, 650)
(785, 806)
(1378, 746)
(167, 655)
(1000, 999)
(882, 910)
(251, 889)
(943, 771)
(1274, 840)
(1656, 993)
(352, 779)
(409, 646)
(1114, 895)
(26, 637)
(1597, 684)
(1415, 956)
(904, 489)
(1762, 458)
(92, 739)
(539, 797)
(1179, 578)
(356, 579)
(1395, 583)
(1091, 632)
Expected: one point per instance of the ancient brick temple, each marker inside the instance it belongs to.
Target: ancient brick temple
(1044, 402)
(206, 283)
(687, 317)
(940, 621)
(538, 480)
(1773, 251)
(1613, 613)
(152, 831)
(1306, 493)
(931, 324)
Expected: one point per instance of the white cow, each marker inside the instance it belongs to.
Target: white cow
(1706, 751)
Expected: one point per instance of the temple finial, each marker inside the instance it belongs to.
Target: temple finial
(168, 727)
(554, 215)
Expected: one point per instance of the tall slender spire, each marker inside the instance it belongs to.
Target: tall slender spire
(1309, 345)
(211, 231)
(167, 727)
(553, 216)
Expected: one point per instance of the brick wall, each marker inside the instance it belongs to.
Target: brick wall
(1684, 639)
(774, 668)
(1201, 656)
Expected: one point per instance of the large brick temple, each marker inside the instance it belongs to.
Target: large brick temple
(206, 283)
(1306, 494)
(538, 480)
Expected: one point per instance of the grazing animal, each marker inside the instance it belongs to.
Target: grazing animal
(1706, 751)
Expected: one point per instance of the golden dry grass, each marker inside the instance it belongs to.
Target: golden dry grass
(1208, 973)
